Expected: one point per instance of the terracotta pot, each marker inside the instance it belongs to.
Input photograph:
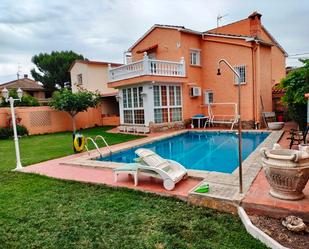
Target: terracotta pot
(287, 172)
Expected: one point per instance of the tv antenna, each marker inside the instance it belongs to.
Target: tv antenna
(219, 17)
(18, 70)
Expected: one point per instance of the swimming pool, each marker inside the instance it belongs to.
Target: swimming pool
(211, 151)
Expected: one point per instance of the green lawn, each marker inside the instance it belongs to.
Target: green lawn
(39, 212)
(45, 147)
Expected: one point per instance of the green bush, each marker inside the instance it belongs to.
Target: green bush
(8, 132)
(21, 130)
(296, 85)
(5, 132)
(26, 100)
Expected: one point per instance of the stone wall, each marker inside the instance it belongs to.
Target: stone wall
(43, 119)
(166, 126)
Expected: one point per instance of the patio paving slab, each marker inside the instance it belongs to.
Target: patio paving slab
(223, 192)
(221, 196)
(258, 200)
(105, 176)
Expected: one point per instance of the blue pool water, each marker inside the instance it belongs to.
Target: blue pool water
(212, 151)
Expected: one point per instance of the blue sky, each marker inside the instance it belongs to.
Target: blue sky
(104, 29)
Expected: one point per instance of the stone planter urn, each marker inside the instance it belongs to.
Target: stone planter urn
(287, 172)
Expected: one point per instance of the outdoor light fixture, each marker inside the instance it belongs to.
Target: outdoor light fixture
(19, 93)
(239, 120)
(57, 86)
(118, 97)
(5, 95)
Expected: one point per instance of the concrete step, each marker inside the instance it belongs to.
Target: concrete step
(222, 197)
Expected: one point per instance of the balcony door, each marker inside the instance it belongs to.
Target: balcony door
(153, 64)
(152, 55)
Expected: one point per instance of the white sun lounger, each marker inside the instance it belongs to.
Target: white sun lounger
(151, 164)
(169, 171)
(129, 168)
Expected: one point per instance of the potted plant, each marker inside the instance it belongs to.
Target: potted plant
(287, 172)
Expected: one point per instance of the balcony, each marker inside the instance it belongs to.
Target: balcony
(148, 66)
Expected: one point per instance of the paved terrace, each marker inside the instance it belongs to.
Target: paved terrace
(78, 167)
(223, 194)
(259, 201)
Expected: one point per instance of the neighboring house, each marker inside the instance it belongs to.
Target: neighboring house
(173, 72)
(93, 76)
(28, 86)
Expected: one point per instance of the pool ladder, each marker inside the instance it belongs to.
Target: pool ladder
(96, 145)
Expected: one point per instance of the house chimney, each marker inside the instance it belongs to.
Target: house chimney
(255, 24)
(25, 76)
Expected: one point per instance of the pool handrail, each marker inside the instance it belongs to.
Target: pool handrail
(106, 144)
(95, 145)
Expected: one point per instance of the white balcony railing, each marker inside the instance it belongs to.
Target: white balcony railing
(147, 67)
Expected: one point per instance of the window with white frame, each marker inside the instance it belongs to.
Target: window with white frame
(133, 106)
(79, 79)
(167, 103)
(241, 70)
(209, 97)
(195, 57)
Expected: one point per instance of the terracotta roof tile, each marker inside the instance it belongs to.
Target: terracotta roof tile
(24, 84)
(276, 90)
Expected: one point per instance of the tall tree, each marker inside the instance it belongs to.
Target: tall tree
(296, 85)
(73, 103)
(53, 68)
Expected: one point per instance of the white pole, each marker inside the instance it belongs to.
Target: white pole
(18, 162)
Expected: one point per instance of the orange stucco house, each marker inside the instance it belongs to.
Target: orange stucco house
(172, 74)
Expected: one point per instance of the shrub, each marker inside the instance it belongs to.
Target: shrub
(26, 100)
(8, 132)
(21, 130)
(296, 85)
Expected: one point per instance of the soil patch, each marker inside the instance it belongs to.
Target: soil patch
(275, 229)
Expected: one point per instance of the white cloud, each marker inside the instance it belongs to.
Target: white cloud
(104, 29)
